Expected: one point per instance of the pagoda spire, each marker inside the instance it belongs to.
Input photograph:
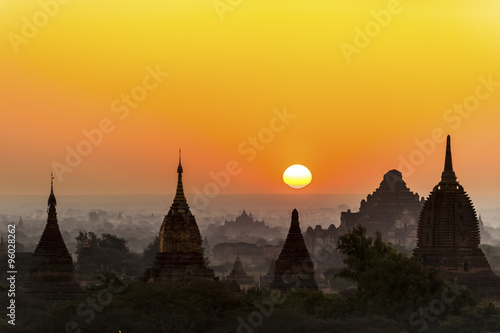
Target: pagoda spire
(179, 199)
(52, 198)
(294, 261)
(295, 218)
(448, 174)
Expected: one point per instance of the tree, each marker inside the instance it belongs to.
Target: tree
(151, 250)
(392, 284)
(112, 242)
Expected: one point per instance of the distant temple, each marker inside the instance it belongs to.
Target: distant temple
(448, 235)
(245, 223)
(294, 267)
(392, 209)
(51, 269)
(239, 276)
(20, 225)
(244, 228)
(180, 257)
(321, 241)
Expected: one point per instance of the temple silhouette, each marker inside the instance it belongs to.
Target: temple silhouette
(180, 255)
(392, 209)
(51, 269)
(239, 275)
(294, 267)
(449, 236)
(245, 223)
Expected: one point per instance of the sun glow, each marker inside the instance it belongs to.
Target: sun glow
(297, 176)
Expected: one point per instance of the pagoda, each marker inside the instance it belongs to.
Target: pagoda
(180, 255)
(51, 269)
(294, 267)
(241, 277)
(448, 234)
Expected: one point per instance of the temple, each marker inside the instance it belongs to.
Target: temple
(448, 235)
(240, 276)
(51, 269)
(392, 209)
(180, 255)
(244, 223)
(294, 267)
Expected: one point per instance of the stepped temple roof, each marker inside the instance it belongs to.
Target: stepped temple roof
(392, 209)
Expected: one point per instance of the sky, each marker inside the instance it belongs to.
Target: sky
(104, 93)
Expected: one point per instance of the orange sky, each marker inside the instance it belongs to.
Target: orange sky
(353, 115)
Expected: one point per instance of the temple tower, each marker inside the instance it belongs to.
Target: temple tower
(448, 234)
(242, 278)
(51, 269)
(179, 257)
(392, 209)
(294, 267)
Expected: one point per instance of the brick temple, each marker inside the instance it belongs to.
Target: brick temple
(180, 255)
(51, 269)
(391, 209)
(240, 276)
(448, 235)
(294, 267)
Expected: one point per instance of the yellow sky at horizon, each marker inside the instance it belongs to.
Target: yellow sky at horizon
(228, 79)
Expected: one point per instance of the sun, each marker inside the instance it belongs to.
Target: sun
(297, 176)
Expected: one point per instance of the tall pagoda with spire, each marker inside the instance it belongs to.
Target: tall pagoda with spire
(51, 269)
(180, 255)
(448, 234)
(294, 267)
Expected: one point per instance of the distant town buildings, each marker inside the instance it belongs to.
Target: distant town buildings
(180, 256)
(449, 237)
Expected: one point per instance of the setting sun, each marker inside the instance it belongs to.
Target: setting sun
(297, 176)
